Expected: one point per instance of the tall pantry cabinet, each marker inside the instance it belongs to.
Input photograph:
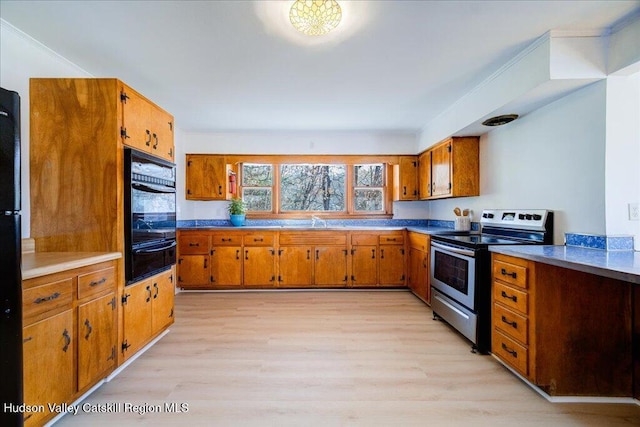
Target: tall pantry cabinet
(78, 131)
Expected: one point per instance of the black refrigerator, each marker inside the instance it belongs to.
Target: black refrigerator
(10, 265)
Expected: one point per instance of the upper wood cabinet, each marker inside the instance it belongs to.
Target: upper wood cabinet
(146, 126)
(206, 177)
(405, 178)
(450, 169)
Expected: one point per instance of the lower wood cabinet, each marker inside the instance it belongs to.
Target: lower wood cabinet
(296, 266)
(418, 280)
(69, 335)
(567, 332)
(147, 309)
(378, 259)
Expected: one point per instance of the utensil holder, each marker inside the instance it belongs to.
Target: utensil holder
(462, 223)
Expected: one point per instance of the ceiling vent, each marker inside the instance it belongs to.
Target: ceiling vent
(500, 120)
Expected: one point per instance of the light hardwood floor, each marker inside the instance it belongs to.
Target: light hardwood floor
(326, 359)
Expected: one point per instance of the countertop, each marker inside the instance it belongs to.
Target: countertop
(36, 264)
(417, 229)
(621, 265)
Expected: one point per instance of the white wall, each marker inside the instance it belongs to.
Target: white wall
(21, 58)
(552, 158)
(284, 143)
(623, 154)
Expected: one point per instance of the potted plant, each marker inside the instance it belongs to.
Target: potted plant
(237, 211)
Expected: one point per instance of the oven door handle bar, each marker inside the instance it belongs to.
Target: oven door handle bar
(149, 251)
(150, 188)
(452, 249)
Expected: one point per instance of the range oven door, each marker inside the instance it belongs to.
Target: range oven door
(453, 272)
(150, 259)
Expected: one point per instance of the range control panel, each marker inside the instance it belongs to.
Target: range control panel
(525, 219)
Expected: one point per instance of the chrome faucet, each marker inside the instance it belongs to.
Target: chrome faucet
(315, 219)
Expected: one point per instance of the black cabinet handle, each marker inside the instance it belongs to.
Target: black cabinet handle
(510, 351)
(404, 190)
(205, 263)
(238, 254)
(506, 273)
(155, 285)
(513, 324)
(149, 290)
(317, 253)
(258, 240)
(246, 254)
(220, 190)
(98, 282)
(89, 328)
(67, 340)
(45, 299)
(308, 253)
(381, 253)
(194, 244)
(148, 141)
(373, 254)
(155, 146)
(513, 298)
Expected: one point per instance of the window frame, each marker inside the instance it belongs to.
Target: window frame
(349, 161)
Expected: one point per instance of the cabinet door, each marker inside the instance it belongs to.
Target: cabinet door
(424, 171)
(259, 266)
(162, 135)
(194, 271)
(136, 129)
(163, 294)
(49, 350)
(206, 177)
(296, 266)
(419, 274)
(226, 266)
(137, 316)
(408, 178)
(330, 267)
(364, 264)
(441, 170)
(392, 265)
(96, 339)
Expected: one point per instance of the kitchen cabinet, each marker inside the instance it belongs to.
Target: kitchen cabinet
(69, 335)
(418, 280)
(145, 126)
(226, 260)
(569, 333)
(206, 177)
(295, 266)
(364, 260)
(378, 259)
(148, 309)
(392, 262)
(194, 260)
(451, 168)
(79, 128)
(259, 262)
(405, 178)
(330, 269)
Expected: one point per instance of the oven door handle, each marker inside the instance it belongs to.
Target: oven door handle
(150, 251)
(452, 249)
(150, 188)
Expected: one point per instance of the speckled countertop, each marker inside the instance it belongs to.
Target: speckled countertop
(621, 265)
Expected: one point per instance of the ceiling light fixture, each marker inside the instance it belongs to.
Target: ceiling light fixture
(315, 17)
(500, 120)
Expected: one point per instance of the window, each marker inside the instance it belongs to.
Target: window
(296, 186)
(368, 188)
(257, 187)
(305, 187)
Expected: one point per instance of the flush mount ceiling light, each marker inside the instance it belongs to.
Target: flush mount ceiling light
(500, 120)
(315, 17)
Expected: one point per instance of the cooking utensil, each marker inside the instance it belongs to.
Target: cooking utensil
(457, 212)
(465, 212)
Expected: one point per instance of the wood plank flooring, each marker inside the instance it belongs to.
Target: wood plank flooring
(325, 359)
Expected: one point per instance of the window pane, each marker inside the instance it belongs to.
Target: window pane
(369, 200)
(369, 175)
(255, 175)
(312, 187)
(257, 199)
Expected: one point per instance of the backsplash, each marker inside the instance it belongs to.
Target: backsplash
(595, 241)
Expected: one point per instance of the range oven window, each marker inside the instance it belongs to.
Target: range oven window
(452, 271)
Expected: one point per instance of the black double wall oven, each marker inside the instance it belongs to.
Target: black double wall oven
(150, 215)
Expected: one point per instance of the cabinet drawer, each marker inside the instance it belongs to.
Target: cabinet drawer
(512, 324)
(364, 239)
(419, 241)
(511, 352)
(193, 245)
(96, 282)
(392, 239)
(511, 297)
(258, 239)
(513, 274)
(46, 300)
(227, 240)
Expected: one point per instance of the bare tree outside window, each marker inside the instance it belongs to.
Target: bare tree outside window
(305, 187)
(257, 187)
(369, 187)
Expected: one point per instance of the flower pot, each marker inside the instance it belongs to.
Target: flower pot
(238, 220)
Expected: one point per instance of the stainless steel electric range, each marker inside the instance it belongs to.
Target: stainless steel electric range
(461, 268)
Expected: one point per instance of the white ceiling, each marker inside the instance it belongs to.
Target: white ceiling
(238, 65)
